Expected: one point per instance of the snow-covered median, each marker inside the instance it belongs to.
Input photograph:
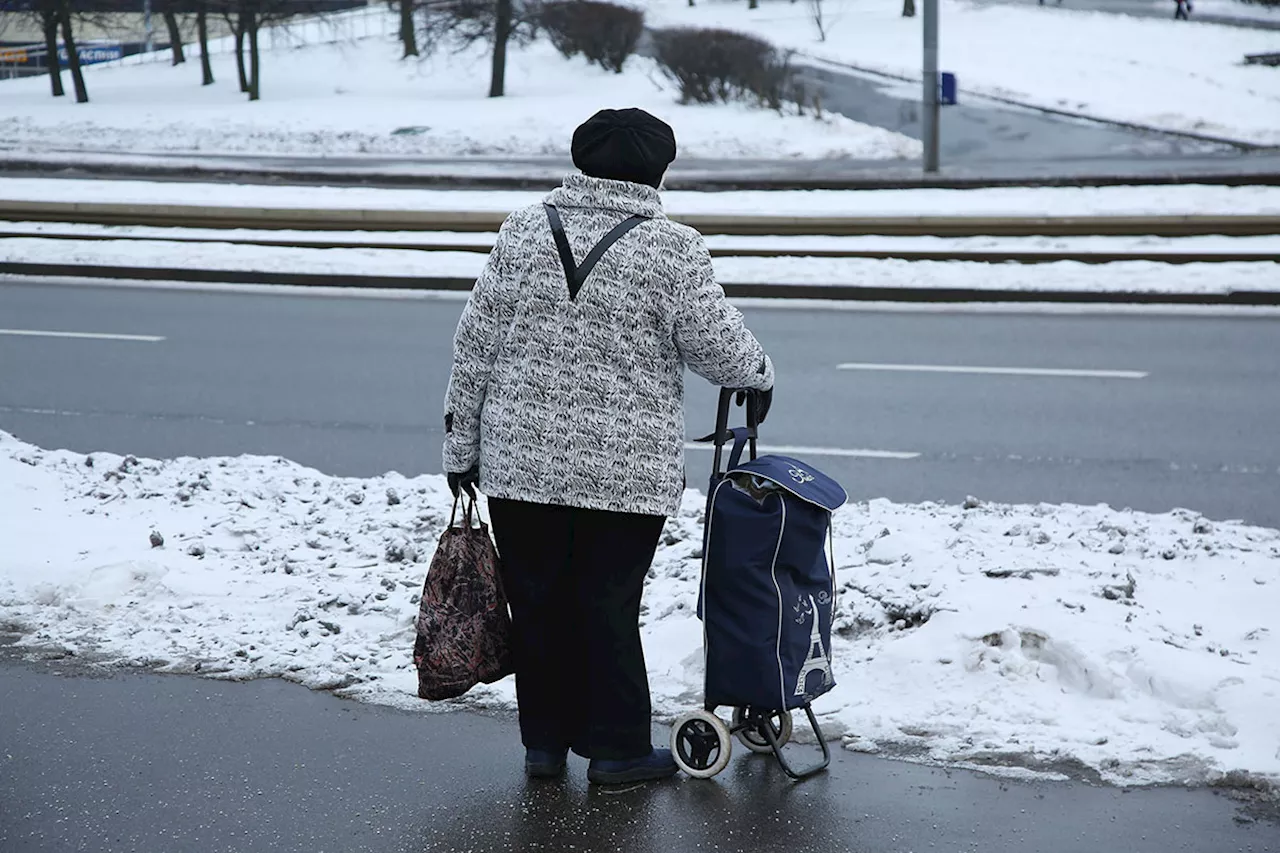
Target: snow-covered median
(1041, 636)
(1176, 200)
(358, 97)
(1059, 276)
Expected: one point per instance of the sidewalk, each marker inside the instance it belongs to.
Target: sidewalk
(174, 763)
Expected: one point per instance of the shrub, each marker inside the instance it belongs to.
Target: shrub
(721, 65)
(604, 33)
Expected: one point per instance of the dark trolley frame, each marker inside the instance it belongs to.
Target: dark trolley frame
(698, 741)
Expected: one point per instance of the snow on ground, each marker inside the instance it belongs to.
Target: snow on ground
(358, 97)
(1139, 645)
(1161, 73)
(1125, 276)
(1178, 200)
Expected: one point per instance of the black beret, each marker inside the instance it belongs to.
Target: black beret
(624, 145)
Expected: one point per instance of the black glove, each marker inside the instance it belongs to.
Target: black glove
(762, 400)
(465, 481)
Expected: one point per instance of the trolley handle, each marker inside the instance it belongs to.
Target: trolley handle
(722, 435)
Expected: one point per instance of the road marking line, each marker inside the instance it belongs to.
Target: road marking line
(1000, 371)
(95, 336)
(791, 450)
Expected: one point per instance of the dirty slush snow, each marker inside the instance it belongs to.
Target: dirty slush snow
(1032, 638)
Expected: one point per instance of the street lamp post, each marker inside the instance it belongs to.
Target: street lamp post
(930, 123)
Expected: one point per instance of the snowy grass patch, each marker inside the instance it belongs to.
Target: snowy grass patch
(1141, 646)
(358, 97)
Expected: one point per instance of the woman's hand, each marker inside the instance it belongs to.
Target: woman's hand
(761, 401)
(464, 481)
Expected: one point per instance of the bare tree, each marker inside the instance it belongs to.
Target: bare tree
(246, 19)
(237, 24)
(501, 35)
(908, 8)
(202, 29)
(175, 35)
(49, 20)
(73, 55)
(816, 12)
(47, 15)
(408, 32)
(463, 23)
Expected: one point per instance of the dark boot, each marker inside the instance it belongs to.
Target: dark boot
(658, 764)
(544, 763)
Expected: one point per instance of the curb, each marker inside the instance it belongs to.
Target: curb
(333, 219)
(992, 256)
(844, 293)
(675, 181)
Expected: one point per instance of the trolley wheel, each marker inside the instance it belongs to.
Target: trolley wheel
(700, 744)
(753, 739)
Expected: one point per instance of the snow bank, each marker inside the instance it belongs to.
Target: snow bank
(1122, 276)
(358, 97)
(1161, 73)
(1040, 636)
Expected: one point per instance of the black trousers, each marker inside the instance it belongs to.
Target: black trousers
(574, 578)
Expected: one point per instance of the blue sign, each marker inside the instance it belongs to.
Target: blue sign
(93, 53)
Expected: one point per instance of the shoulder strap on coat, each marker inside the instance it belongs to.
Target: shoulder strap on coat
(575, 275)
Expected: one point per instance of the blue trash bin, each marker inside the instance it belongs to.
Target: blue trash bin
(948, 98)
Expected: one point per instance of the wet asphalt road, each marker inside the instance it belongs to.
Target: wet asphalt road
(354, 387)
(171, 764)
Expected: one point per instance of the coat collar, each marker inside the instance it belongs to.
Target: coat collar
(599, 193)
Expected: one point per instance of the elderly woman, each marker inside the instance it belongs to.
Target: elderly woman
(566, 406)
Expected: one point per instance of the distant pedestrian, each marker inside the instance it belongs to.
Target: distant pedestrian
(1183, 10)
(566, 406)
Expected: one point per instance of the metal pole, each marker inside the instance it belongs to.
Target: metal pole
(146, 12)
(930, 123)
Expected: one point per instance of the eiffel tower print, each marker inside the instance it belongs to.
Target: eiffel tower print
(817, 660)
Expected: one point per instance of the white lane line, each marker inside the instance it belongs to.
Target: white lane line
(999, 371)
(792, 450)
(93, 336)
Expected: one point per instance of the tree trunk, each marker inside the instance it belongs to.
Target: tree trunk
(175, 38)
(244, 78)
(908, 8)
(51, 54)
(254, 89)
(73, 57)
(501, 33)
(753, 4)
(407, 34)
(206, 69)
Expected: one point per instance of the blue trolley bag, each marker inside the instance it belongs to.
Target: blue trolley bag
(768, 586)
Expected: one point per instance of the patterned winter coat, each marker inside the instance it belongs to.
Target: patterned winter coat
(581, 402)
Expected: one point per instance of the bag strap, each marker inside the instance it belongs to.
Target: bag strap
(562, 244)
(465, 497)
(576, 276)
